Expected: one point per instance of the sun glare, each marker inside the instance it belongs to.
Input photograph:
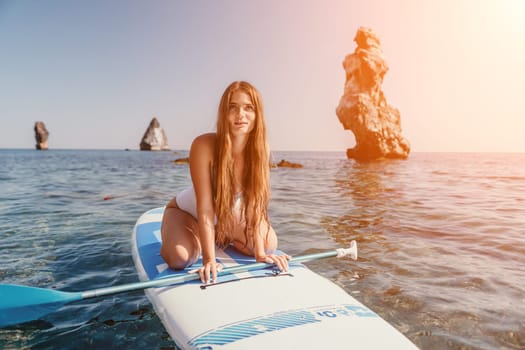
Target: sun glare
(514, 15)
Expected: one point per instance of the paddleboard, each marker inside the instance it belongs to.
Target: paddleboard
(256, 309)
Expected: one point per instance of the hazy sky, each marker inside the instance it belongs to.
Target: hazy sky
(96, 72)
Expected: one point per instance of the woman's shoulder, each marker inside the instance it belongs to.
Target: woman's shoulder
(205, 140)
(204, 144)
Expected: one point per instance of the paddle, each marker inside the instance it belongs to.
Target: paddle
(20, 304)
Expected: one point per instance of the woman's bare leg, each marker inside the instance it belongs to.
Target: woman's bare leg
(180, 242)
(270, 240)
(270, 246)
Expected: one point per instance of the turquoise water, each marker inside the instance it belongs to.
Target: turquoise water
(441, 238)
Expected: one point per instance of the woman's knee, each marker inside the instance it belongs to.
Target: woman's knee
(178, 257)
(180, 247)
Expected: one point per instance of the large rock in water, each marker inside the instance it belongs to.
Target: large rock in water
(154, 138)
(41, 136)
(363, 108)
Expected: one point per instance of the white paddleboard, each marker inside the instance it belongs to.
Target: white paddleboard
(256, 309)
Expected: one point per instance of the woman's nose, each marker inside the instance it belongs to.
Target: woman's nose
(239, 112)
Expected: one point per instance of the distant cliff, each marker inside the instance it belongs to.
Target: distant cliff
(41, 136)
(363, 108)
(154, 138)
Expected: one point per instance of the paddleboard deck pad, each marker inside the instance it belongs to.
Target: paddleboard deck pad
(257, 309)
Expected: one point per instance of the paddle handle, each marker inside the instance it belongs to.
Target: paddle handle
(164, 282)
(352, 251)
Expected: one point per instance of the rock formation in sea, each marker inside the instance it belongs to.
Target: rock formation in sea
(287, 164)
(185, 160)
(363, 108)
(41, 136)
(154, 138)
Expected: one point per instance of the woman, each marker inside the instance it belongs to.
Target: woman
(229, 198)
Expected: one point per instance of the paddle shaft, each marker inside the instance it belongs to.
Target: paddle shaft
(164, 282)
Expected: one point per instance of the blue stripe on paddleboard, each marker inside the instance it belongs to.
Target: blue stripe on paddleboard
(249, 328)
(148, 245)
(146, 233)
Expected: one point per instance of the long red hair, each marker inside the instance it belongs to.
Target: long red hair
(256, 176)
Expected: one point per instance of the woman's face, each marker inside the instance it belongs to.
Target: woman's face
(241, 114)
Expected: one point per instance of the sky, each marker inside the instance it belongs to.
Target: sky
(96, 72)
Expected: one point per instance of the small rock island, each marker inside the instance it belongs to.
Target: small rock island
(363, 108)
(154, 138)
(41, 136)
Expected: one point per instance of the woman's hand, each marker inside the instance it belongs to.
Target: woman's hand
(207, 270)
(281, 261)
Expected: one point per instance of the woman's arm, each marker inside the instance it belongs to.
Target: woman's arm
(259, 248)
(201, 158)
(265, 246)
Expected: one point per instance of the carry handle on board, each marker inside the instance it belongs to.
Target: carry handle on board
(20, 304)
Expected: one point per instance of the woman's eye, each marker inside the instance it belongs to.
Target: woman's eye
(250, 108)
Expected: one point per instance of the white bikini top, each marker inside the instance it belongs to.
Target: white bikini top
(187, 201)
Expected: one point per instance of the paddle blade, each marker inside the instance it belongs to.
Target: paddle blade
(20, 304)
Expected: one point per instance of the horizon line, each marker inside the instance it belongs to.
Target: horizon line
(187, 150)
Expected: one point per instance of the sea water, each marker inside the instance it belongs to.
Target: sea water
(441, 240)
